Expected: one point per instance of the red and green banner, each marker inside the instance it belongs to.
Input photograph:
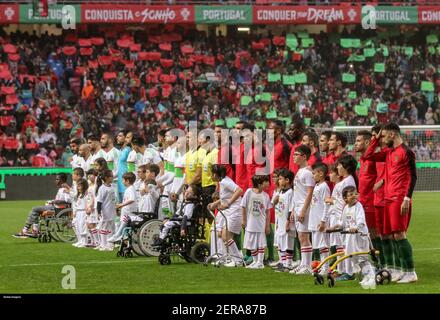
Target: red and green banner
(429, 15)
(54, 15)
(110, 13)
(9, 13)
(224, 14)
(307, 14)
(396, 15)
(221, 14)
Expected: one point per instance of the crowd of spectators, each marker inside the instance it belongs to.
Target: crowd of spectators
(54, 88)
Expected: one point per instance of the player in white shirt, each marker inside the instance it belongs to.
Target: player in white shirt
(76, 160)
(346, 166)
(128, 206)
(92, 215)
(86, 158)
(353, 220)
(79, 214)
(256, 207)
(62, 198)
(284, 229)
(165, 181)
(95, 149)
(229, 204)
(106, 207)
(320, 239)
(302, 197)
(148, 190)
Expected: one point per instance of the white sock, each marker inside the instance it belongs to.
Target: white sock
(260, 255)
(341, 266)
(306, 256)
(103, 235)
(95, 237)
(237, 255)
(348, 266)
(323, 254)
(122, 225)
(289, 258)
(283, 260)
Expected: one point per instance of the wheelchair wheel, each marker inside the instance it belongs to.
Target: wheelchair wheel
(51, 228)
(129, 254)
(331, 280)
(147, 234)
(383, 277)
(319, 279)
(199, 252)
(135, 243)
(63, 226)
(164, 259)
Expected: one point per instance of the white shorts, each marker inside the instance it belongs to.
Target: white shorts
(301, 226)
(218, 223)
(286, 241)
(92, 218)
(356, 243)
(234, 218)
(320, 240)
(254, 240)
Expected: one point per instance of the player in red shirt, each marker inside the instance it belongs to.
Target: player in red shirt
(311, 140)
(336, 148)
(323, 143)
(224, 151)
(367, 179)
(280, 155)
(295, 133)
(379, 195)
(400, 180)
(241, 178)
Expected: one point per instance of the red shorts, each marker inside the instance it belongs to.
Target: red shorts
(379, 212)
(393, 221)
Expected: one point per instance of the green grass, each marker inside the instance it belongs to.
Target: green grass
(27, 266)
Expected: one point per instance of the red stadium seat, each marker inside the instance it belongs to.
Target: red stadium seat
(38, 161)
(11, 144)
(5, 120)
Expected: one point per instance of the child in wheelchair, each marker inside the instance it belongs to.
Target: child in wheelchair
(182, 216)
(62, 199)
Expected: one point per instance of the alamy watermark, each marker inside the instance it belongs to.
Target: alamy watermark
(69, 280)
(368, 17)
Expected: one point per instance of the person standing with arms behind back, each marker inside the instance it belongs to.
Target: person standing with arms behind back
(400, 181)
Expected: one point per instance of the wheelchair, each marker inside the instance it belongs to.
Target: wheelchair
(57, 225)
(139, 235)
(191, 247)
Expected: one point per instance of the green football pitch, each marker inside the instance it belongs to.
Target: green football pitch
(27, 266)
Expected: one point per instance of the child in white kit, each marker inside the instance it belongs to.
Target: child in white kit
(183, 214)
(320, 239)
(353, 221)
(79, 214)
(148, 191)
(106, 207)
(91, 214)
(128, 206)
(256, 207)
(284, 229)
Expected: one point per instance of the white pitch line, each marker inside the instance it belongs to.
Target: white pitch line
(75, 263)
(427, 249)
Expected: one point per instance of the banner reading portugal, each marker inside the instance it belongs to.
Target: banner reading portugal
(224, 14)
(9, 13)
(55, 14)
(110, 13)
(307, 14)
